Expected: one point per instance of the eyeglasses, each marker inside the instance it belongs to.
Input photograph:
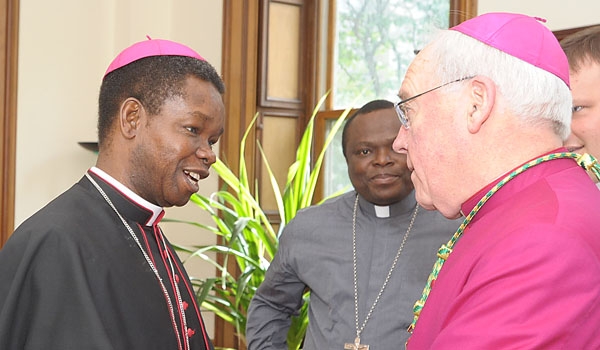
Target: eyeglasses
(402, 114)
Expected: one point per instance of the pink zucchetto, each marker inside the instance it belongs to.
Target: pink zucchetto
(150, 47)
(521, 36)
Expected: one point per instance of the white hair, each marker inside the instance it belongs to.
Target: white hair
(532, 93)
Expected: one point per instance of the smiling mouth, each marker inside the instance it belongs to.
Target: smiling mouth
(192, 179)
(384, 177)
(192, 175)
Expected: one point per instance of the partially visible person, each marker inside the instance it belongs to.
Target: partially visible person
(92, 269)
(485, 109)
(583, 52)
(364, 255)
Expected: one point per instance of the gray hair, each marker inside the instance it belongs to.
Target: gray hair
(533, 94)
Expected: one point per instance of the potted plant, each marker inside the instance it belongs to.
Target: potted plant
(247, 237)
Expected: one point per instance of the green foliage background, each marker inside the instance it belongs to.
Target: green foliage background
(376, 41)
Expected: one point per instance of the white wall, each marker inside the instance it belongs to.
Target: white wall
(559, 14)
(64, 49)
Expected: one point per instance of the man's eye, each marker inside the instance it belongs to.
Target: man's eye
(364, 151)
(406, 110)
(192, 129)
(576, 108)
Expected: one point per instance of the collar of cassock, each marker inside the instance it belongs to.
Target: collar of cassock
(406, 205)
(127, 202)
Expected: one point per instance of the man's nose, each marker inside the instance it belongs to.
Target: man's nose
(400, 142)
(207, 154)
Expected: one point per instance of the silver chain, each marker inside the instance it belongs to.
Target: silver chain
(387, 278)
(154, 269)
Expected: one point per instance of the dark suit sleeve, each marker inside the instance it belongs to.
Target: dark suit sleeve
(277, 299)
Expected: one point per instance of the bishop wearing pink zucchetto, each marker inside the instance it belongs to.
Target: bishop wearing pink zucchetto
(485, 109)
(93, 269)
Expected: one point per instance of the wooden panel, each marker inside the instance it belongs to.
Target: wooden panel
(9, 26)
(240, 65)
(279, 144)
(283, 54)
(462, 10)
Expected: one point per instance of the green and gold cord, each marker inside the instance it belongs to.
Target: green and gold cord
(586, 161)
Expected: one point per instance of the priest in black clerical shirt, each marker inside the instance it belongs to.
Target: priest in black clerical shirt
(92, 269)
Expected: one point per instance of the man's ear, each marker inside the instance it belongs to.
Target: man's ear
(130, 117)
(482, 99)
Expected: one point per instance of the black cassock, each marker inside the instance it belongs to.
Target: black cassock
(72, 277)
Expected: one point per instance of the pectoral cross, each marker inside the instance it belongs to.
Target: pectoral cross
(356, 346)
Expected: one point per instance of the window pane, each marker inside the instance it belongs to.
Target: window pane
(336, 171)
(376, 40)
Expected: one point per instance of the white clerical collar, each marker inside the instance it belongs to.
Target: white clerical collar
(156, 210)
(382, 211)
(405, 205)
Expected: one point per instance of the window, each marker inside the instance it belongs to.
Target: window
(375, 42)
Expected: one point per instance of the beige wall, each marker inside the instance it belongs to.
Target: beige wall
(64, 49)
(559, 14)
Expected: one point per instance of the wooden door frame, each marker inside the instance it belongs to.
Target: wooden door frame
(9, 35)
(240, 73)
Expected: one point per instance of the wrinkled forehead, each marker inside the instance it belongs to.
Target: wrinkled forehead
(420, 75)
